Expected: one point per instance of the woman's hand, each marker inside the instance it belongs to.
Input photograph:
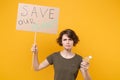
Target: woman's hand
(84, 65)
(84, 69)
(34, 49)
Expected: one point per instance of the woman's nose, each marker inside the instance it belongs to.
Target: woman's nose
(67, 41)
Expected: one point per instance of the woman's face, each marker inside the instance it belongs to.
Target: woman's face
(67, 42)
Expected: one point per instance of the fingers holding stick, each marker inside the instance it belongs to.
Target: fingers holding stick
(34, 48)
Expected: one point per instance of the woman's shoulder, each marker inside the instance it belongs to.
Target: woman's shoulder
(79, 56)
(54, 53)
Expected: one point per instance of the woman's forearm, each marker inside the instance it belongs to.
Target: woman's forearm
(86, 74)
(35, 61)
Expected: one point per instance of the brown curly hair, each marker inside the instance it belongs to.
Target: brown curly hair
(71, 34)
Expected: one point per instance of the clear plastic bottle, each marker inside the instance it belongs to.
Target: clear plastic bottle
(87, 59)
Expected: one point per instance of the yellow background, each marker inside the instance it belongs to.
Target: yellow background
(97, 23)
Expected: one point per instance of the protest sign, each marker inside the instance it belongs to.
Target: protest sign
(37, 18)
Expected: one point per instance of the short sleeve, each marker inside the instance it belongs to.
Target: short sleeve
(80, 60)
(50, 59)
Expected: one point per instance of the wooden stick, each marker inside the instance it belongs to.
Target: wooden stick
(35, 37)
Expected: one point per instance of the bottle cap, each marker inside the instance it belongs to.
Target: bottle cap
(87, 59)
(90, 57)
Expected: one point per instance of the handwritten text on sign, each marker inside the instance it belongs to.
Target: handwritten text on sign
(37, 18)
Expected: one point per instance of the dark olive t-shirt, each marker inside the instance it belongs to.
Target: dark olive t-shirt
(65, 69)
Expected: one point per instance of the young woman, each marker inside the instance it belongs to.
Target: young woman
(66, 63)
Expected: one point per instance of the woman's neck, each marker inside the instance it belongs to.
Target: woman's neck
(67, 51)
(67, 54)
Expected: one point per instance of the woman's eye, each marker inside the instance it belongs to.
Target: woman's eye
(64, 39)
(70, 39)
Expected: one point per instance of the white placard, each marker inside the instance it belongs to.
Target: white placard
(37, 18)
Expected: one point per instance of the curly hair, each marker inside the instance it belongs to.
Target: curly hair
(71, 34)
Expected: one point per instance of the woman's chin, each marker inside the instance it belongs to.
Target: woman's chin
(68, 49)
